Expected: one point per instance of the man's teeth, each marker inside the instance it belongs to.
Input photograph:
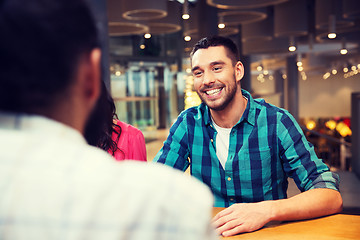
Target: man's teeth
(214, 91)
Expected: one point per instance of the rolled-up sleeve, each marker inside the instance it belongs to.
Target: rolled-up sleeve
(300, 161)
(175, 151)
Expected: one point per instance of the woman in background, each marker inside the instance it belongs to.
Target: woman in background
(106, 131)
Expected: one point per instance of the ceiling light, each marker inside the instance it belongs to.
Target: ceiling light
(185, 14)
(187, 38)
(221, 24)
(303, 76)
(343, 49)
(332, 27)
(326, 75)
(332, 35)
(292, 46)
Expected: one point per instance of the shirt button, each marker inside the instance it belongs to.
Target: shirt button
(229, 179)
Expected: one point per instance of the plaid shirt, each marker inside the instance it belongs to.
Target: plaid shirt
(266, 147)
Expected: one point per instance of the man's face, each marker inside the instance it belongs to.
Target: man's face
(215, 77)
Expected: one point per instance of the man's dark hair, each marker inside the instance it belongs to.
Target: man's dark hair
(40, 45)
(218, 41)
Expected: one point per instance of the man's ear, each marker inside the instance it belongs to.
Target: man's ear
(92, 80)
(239, 71)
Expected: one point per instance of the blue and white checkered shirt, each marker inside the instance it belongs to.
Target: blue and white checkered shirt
(266, 147)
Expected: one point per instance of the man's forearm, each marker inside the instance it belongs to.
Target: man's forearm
(310, 204)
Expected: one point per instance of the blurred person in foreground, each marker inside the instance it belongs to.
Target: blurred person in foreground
(244, 149)
(53, 184)
(106, 131)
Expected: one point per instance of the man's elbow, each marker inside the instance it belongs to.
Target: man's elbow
(337, 201)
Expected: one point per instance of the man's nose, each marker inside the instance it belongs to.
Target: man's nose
(208, 79)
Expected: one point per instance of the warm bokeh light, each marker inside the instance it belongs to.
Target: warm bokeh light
(221, 25)
(191, 97)
(292, 48)
(147, 35)
(331, 124)
(326, 75)
(332, 35)
(343, 51)
(185, 16)
(343, 129)
(310, 124)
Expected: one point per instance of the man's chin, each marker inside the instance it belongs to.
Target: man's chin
(215, 106)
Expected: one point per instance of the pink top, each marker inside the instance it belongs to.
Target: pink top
(131, 143)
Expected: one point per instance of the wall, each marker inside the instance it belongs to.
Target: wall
(327, 98)
(317, 97)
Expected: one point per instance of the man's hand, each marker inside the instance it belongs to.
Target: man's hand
(248, 217)
(243, 217)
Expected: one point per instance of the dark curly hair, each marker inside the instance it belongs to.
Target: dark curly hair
(101, 124)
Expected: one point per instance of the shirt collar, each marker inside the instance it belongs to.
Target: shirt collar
(248, 115)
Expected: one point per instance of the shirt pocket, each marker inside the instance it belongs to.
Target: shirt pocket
(255, 167)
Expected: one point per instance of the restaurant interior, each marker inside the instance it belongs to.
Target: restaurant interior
(301, 55)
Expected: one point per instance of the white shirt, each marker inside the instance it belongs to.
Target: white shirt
(222, 143)
(55, 186)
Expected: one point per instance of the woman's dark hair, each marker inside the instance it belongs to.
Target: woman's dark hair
(101, 124)
(40, 46)
(218, 41)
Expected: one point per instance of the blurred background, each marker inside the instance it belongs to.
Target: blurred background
(301, 55)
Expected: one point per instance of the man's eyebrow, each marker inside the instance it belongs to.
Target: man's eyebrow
(211, 64)
(195, 68)
(216, 63)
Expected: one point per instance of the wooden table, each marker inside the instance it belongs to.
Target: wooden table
(334, 227)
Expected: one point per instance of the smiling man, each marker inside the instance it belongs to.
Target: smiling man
(244, 149)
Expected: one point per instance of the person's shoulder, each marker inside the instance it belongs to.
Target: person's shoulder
(130, 129)
(269, 107)
(193, 112)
